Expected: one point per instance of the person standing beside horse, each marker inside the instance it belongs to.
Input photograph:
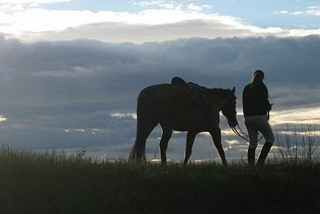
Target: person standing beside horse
(256, 109)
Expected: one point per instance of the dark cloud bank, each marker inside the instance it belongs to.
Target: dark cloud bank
(81, 93)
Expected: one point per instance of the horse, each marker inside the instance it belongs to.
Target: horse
(177, 108)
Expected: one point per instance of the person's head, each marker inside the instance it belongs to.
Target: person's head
(257, 76)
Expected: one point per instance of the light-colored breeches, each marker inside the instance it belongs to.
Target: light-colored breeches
(256, 124)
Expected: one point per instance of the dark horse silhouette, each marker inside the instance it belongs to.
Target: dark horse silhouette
(171, 106)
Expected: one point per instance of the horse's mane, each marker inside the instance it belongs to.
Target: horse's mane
(219, 92)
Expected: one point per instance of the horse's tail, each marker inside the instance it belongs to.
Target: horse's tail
(136, 153)
(132, 154)
(145, 124)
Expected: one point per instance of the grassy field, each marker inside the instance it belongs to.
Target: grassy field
(54, 182)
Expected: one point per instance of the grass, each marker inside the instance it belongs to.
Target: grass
(54, 182)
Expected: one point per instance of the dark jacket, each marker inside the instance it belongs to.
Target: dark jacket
(255, 100)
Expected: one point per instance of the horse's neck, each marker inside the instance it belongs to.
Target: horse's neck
(218, 100)
(221, 104)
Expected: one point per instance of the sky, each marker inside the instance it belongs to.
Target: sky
(71, 70)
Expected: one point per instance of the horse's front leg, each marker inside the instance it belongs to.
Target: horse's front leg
(216, 137)
(166, 135)
(189, 143)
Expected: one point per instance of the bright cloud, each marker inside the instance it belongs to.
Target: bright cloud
(2, 118)
(36, 20)
(170, 21)
(144, 26)
(310, 11)
(197, 8)
(159, 3)
(314, 10)
(296, 116)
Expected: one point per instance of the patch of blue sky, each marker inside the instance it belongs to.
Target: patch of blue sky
(271, 13)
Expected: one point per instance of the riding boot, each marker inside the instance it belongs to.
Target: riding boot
(251, 156)
(264, 153)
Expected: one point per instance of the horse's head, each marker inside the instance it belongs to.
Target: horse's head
(229, 108)
(225, 101)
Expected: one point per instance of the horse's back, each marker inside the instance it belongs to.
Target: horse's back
(160, 94)
(162, 102)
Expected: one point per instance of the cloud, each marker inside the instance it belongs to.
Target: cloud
(214, 27)
(159, 3)
(300, 116)
(313, 10)
(309, 11)
(197, 8)
(169, 21)
(82, 93)
(33, 21)
(140, 33)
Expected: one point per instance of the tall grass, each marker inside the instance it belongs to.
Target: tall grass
(298, 144)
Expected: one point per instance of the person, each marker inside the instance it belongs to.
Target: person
(256, 107)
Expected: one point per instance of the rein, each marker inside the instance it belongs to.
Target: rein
(245, 136)
(241, 133)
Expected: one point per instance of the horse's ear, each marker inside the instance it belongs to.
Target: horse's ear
(233, 90)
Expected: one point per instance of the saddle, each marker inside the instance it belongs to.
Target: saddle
(192, 90)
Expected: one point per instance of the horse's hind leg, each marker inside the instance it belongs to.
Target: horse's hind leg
(166, 135)
(216, 136)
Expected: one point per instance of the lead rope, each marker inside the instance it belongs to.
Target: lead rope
(245, 136)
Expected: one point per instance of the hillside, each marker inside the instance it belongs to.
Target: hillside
(54, 182)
